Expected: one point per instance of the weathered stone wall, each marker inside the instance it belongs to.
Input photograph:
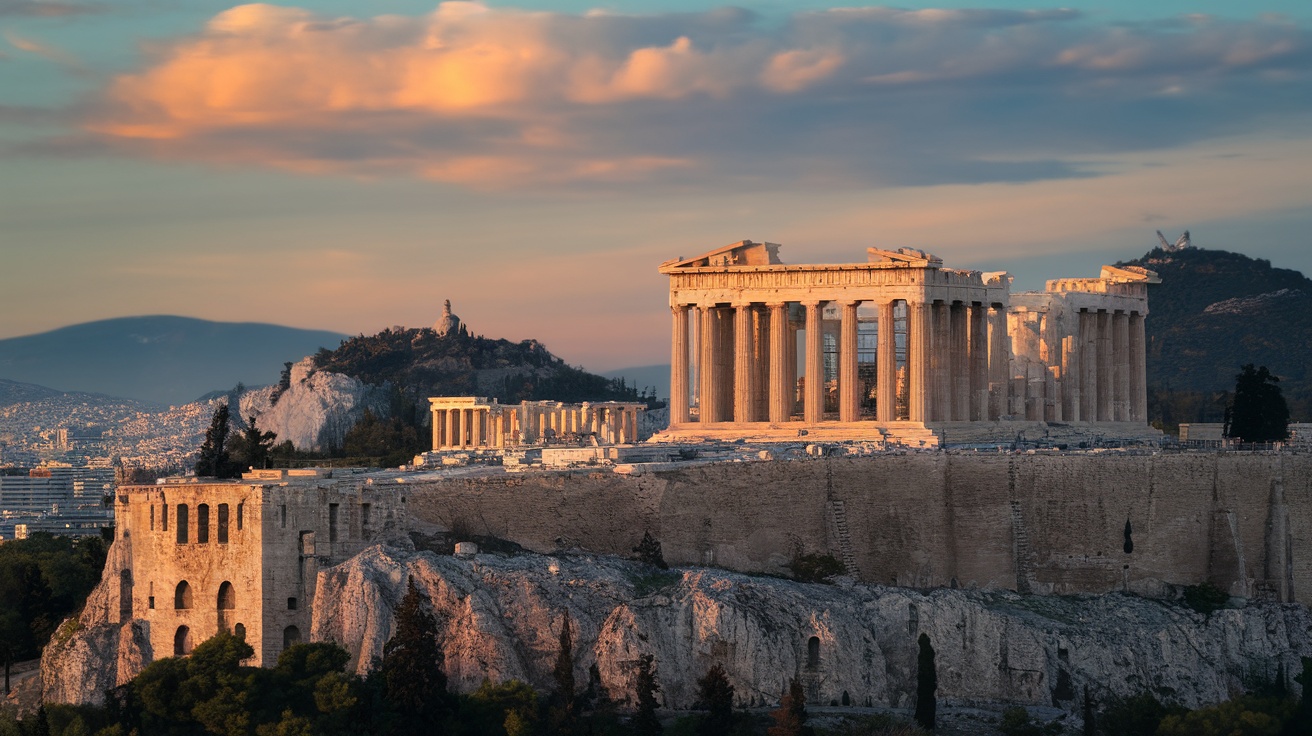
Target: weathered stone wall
(1040, 523)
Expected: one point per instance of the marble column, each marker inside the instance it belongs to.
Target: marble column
(779, 363)
(886, 366)
(814, 395)
(849, 406)
(960, 363)
(941, 357)
(999, 361)
(920, 318)
(678, 368)
(760, 363)
(1105, 363)
(436, 421)
(979, 362)
(1138, 370)
(1121, 367)
(448, 424)
(499, 430)
(724, 368)
(478, 415)
(708, 393)
(742, 363)
(1088, 366)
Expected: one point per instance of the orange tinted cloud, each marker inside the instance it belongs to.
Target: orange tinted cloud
(500, 97)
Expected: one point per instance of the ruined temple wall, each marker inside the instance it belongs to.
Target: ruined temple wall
(1045, 523)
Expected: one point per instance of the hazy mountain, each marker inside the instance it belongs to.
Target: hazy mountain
(160, 359)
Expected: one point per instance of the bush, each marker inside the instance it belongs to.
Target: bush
(1205, 598)
(1136, 716)
(1245, 716)
(1016, 721)
(814, 568)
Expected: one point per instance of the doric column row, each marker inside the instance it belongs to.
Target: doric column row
(1105, 367)
(745, 359)
(530, 424)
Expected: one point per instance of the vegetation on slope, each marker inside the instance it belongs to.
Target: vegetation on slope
(1214, 312)
(43, 579)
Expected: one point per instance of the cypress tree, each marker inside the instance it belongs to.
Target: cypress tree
(648, 551)
(213, 460)
(644, 722)
(563, 716)
(1258, 412)
(413, 681)
(926, 684)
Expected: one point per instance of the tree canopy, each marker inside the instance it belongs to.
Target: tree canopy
(1258, 412)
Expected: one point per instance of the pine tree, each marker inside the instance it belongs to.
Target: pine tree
(648, 551)
(644, 722)
(213, 460)
(413, 681)
(790, 716)
(1258, 412)
(252, 447)
(926, 684)
(715, 694)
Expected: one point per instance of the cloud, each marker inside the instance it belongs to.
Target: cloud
(46, 51)
(871, 96)
(46, 8)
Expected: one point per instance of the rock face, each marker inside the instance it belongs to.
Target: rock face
(89, 655)
(500, 618)
(317, 410)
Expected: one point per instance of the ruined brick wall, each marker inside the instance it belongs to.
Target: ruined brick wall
(1044, 523)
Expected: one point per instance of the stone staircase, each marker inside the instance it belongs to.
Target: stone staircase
(843, 535)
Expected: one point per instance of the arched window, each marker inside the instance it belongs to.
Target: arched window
(182, 523)
(227, 597)
(203, 524)
(182, 642)
(182, 596)
(125, 594)
(239, 631)
(813, 652)
(290, 635)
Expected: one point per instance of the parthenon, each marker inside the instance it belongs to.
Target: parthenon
(898, 345)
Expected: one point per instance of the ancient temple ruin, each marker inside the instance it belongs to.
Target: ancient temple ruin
(474, 422)
(899, 346)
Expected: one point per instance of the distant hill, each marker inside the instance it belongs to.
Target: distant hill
(1215, 311)
(161, 359)
(644, 377)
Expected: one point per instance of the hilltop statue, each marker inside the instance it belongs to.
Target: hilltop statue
(448, 323)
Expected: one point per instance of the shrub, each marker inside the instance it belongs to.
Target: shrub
(1205, 598)
(814, 568)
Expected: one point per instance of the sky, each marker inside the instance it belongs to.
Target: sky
(349, 165)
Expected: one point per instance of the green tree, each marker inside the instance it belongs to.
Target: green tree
(648, 551)
(252, 448)
(645, 722)
(414, 683)
(213, 460)
(926, 684)
(1139, 715)
(715, 694)
(1244, 716)
(1258, 412)
(790, 717)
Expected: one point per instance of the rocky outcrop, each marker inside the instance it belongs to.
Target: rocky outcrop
(92, 652)
(317, 410)
(500, 618)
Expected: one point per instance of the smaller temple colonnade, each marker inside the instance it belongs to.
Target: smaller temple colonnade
(473, 422)
(898, 339)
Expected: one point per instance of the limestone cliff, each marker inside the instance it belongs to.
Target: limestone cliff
(317, 409)
(500, 618)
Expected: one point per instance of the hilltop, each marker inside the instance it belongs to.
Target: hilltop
(163, 360)
(1215, 311)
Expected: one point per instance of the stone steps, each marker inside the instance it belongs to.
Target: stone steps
(838, 515)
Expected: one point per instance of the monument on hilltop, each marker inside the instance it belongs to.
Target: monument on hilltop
(448, 323)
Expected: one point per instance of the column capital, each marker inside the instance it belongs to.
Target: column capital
(776, 305)
(813, 302)
(850, 302)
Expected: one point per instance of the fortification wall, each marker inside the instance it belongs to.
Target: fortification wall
(1043, 523)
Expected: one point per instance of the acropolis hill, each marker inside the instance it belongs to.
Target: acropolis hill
(898, 464)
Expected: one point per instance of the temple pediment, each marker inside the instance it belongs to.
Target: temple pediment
(742, 253)
(907, 257)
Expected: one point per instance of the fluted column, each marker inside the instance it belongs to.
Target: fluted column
(742, 362)
(886, 366)
(709, 393)
(960, 363)
(849, 406)
(778, 362)
(1088, 366)
(436, 422)
(1105, 377)
(999, 361)
(814, 397)
(1121, 367)
(760, 363)
(919, 349)
(941, 355)
(1138, 370)
(1070, 379)
(979, 362)
(479, 415)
